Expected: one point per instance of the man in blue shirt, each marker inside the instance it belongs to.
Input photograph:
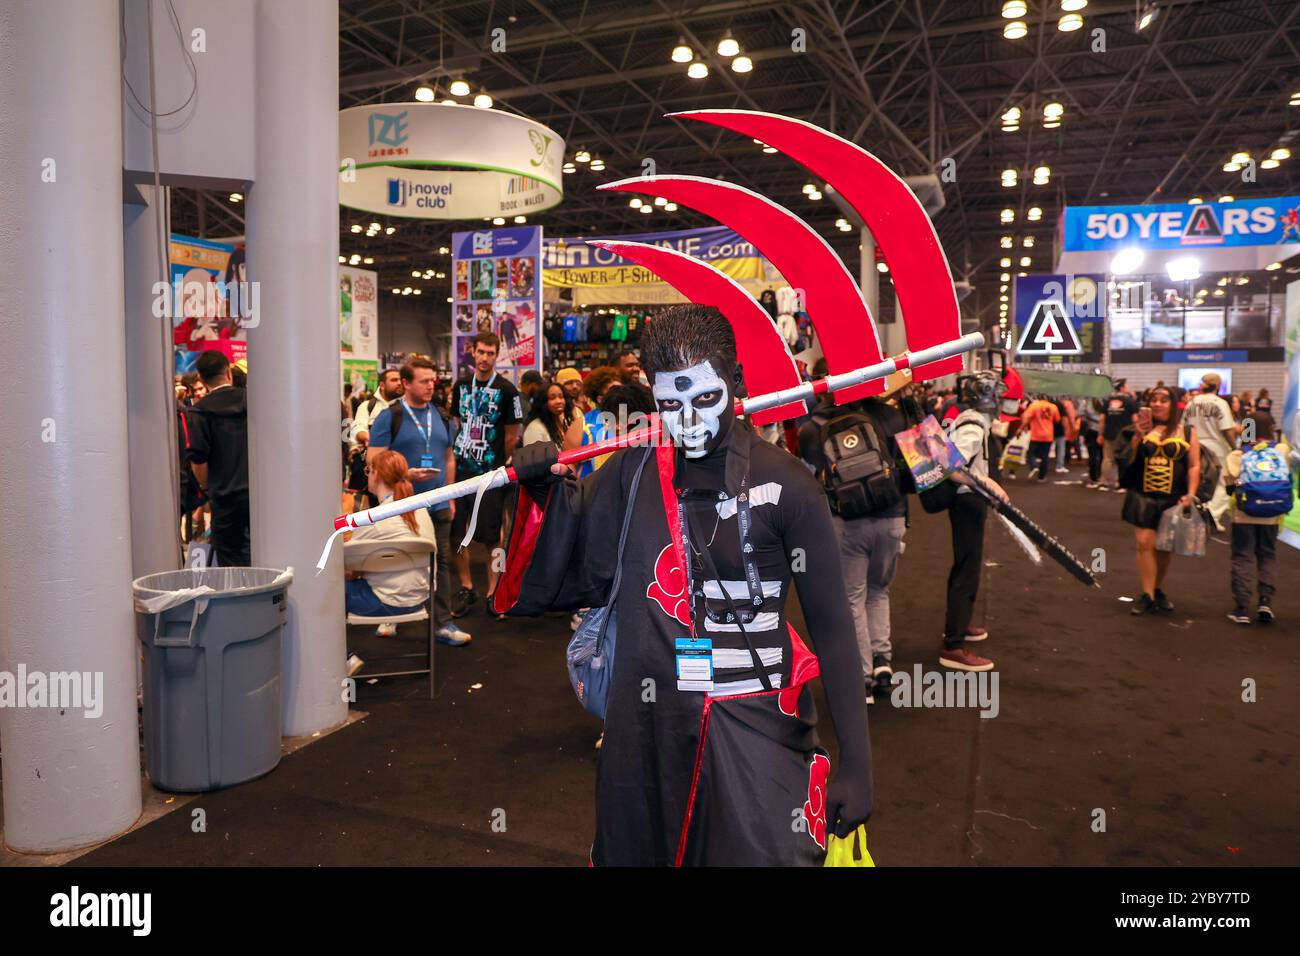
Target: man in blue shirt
(425, 437)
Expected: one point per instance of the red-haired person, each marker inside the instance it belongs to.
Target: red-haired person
(382, 593)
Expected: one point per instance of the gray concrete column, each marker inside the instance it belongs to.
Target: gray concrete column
(293, 352)
(151, 424)
(65, 559)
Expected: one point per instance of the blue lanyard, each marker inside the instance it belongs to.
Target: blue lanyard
(426, 431)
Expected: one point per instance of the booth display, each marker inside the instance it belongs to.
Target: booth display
(495, 288)
(203, 273)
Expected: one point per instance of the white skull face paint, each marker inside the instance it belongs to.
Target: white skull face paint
(694, 407)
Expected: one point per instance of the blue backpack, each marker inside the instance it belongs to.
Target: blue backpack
(1264, 486)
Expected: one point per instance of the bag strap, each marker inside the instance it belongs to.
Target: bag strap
(396, 417)
(622, 541)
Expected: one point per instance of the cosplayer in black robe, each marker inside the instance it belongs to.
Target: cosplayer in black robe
(732, 775)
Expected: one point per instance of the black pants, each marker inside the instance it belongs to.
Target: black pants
(230, 531)
(1254, 555)
(1094, 454)
(966, 515)
(1038, 453)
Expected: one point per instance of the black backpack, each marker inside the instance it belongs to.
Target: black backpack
(860, 475)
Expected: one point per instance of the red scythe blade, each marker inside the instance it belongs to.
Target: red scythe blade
(922, 279)
(844, 326)
(768, 364)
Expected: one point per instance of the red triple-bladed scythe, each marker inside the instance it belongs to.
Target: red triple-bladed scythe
(763, 353)
(844, 325)
(896, 218)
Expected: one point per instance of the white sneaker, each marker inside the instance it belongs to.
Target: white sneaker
(452, 634)
(354, 664)
(386, 630)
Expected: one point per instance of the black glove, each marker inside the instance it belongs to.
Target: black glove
(532, 464)
(851, 796)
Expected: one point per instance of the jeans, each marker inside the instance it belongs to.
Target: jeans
(1110, 461)
(1254, 554)
(360, 599)
(230, 538)
(1094, 454)
(966, 514)
(869, 550)
(1060, 452)
(441, 582)
(1038, 452)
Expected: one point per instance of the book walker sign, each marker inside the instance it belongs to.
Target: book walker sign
(446, 161)
(1060, 317)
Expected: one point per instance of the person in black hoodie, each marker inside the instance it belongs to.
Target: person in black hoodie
(219, 458)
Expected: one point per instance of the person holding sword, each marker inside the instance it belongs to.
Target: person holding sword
(423, 433)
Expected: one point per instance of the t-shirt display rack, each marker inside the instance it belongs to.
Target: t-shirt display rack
(588, 338)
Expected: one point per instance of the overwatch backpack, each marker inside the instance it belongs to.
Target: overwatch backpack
(860, 476)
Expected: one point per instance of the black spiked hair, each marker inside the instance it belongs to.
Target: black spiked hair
(687, 335)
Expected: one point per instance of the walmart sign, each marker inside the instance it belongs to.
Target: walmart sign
(1248, 222)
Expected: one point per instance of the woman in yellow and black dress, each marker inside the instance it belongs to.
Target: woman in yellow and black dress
(1164, 471)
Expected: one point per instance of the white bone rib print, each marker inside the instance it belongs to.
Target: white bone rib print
(768, 493)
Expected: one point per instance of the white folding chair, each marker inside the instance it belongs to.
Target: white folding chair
(396, 554)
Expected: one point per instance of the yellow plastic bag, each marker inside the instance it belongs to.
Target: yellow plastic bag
(842, 852)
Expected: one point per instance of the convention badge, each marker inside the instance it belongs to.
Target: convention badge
(426, 461)
(694, 663)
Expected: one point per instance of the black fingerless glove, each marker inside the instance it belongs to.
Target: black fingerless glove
(532, 464)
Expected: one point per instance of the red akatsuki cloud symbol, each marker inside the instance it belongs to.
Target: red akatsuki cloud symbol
(814, 809)
(668, 589)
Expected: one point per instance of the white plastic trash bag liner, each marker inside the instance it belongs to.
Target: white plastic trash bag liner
(155, 593)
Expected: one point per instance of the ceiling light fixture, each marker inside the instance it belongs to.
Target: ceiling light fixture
(728, 46)
(1014, 9)
(1069, 23)
(458, 88)
(424, 94)
(1015, 30)
(742, 64)
(697, 71)
(483, 101)
(682, 53)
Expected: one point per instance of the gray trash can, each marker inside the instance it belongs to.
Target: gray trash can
(211, 641)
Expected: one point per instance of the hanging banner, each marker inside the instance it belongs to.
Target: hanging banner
(202, 274)
(1243, 222)
(358, 313)
(361, 374)
(599, 276)
(495, 288)
(1059, 318)
(446, 161)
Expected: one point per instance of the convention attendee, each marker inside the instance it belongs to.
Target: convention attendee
(1247, 402)
(1259, 480)
(629, 367)
(191, 495)
(1121, 406)
(598, 382)
(1041, 418)
(1163, 468)
(530, 384)
(487, 409)
(709, 771)
(1263, 403)
(424, 435)
(969, 432)
(194, 388)
(1262, 424)
(391, 388)
(570, 379)
(1212, 418)
(554, 419)
(219, 457)
(869, 514)
(1090, 431)
(388, 593)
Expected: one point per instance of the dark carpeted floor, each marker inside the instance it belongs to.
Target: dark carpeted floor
(1141, 718)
